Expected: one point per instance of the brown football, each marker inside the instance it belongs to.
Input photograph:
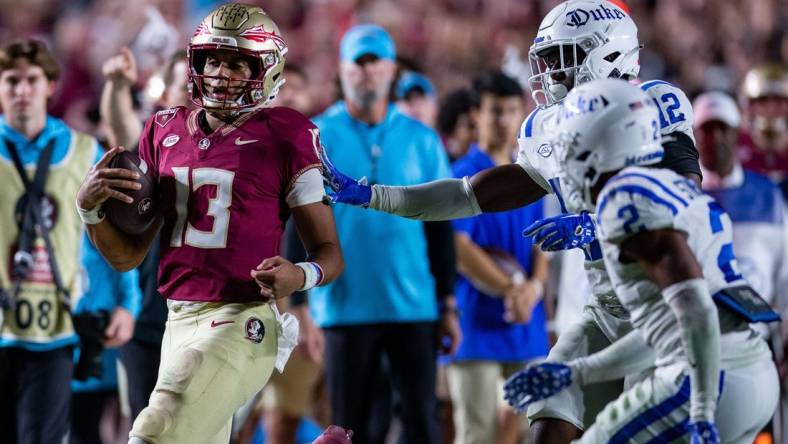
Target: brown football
(136, 217)
(507, 263)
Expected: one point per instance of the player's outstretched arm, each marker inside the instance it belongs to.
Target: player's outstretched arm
(122, 251)
(499, 188)
(669, 262)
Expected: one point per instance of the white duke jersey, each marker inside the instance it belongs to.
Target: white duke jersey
(647, 199)
(538, 158)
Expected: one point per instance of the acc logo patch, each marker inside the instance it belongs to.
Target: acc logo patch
(255, 330)
(171, 140)
(164, 116)
(545, 150)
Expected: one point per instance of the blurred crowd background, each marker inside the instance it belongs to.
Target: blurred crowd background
(697, 44)
(700, 45)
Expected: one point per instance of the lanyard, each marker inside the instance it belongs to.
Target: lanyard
(372, 148)
(33, 221)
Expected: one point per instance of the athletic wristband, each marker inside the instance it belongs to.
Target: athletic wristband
(92, 216)
(313, 274)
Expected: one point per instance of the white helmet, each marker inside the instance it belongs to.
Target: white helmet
(603, 126)
(578, 41)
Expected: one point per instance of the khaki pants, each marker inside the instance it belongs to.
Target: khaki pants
(476, 389)
(214, 358)
(292, 390)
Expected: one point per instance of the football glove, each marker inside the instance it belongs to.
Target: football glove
(343, 188)
(703, 432)
(563, 232)
(535, 383)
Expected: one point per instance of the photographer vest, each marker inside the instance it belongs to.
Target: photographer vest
(38, 320)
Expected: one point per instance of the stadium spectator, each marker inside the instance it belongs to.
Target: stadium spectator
(416, 97)
(753, 202)
(40, 241)
(386, 304)
(503, 276)
(454, 123)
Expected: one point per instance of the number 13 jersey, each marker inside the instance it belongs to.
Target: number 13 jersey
(224, 196)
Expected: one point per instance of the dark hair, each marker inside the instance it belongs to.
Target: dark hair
(168, 74)
(453, 105)
(35, 51)
(496, 83)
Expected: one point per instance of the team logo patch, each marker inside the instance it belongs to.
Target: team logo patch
(204, 143)
(144, 206)
(545, 150)
(163, 117)
(579, 17)
(171, 140)
(255, 330)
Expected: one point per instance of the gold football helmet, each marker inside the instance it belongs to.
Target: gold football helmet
(764, 97)
(250, 32)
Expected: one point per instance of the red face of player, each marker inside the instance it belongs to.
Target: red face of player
(225, 72)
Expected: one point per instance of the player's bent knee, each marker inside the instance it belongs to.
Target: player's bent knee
(180, 372)
(156, 418)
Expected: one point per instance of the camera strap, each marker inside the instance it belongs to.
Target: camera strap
(33, 222)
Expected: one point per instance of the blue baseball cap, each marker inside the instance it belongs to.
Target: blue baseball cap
(410, 80)
(367, 39)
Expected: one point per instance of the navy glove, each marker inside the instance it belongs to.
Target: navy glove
(703, 432)
(535, 383)
(562, 232)
(344, 189)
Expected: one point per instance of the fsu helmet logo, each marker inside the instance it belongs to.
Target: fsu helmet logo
(255, 330)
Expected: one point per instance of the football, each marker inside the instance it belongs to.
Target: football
(136, 217)
(507, 263)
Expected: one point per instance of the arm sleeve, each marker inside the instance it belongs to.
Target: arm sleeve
(628, 355)
(681, 155)
(307, 189)
(697, 316)
(442, 257)
(443, 199)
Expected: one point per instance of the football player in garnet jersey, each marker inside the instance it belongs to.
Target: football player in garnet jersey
(229, 174)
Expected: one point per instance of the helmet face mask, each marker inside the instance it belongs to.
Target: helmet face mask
(594, 40)
(236, 32)
(556, 69)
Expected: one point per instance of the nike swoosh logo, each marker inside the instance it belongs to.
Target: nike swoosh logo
(239, 142)
(216, 324)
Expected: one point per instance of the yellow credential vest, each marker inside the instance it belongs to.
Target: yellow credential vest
(39, 321)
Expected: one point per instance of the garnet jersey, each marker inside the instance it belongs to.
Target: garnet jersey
(223, 196)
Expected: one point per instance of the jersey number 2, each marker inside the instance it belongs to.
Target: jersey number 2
(726, 259)
(218, 207)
